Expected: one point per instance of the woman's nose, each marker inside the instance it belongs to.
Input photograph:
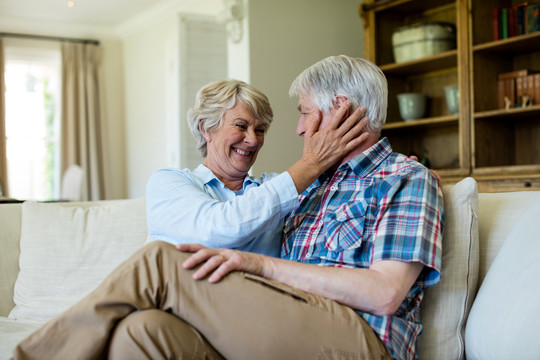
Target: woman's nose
(251, 138)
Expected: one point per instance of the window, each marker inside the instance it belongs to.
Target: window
(32, 76)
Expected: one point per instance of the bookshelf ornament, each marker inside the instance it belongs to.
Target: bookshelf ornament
(232, 17)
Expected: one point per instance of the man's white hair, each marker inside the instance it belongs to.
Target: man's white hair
(359, 80)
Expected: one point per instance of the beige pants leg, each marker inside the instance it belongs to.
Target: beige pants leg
(243, 317)
(156, 334)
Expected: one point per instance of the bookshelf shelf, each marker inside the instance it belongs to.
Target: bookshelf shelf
(516, 44)
(440, 120)
(436, 62)
(515, 113)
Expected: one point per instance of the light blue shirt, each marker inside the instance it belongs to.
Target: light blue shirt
(185, 206)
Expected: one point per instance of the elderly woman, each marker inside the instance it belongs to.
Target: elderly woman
(229, 121)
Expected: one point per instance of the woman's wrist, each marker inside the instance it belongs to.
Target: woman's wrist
(303, 173)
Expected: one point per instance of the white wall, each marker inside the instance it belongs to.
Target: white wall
(147, 71)
(285, 37)
(145, 85)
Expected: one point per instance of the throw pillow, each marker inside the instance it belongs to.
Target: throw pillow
(503, 323)
(67, 249)
(446, 305)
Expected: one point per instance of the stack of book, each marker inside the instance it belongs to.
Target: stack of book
(515, 20)
(519, 88)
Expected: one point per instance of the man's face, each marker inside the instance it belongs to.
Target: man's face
(309, 113)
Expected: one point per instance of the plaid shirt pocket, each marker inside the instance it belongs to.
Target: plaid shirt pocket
(344, 228)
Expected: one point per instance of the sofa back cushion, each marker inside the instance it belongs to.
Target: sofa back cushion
(67, 249)
(503, 323)
(500, 212)
(445, 306)
(10, 232)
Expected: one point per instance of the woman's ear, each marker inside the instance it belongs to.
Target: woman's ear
(204, 133)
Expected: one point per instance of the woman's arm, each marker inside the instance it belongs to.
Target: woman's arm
(183, 209)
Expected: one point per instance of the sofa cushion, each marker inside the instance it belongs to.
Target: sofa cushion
(503, 323)
(499, 213)
(10, 232)
(68, 249)
(446, 305)
(13, 332)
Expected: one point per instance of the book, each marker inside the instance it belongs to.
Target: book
(512, 85)
(500, 94)
(510, 91)
(512, 21)
(514, 74)
(525, 87)
(503, 20)
(533, 18)
(521, 18)
(536, 86)
(506, 90)
(521, 84)
(496, 23)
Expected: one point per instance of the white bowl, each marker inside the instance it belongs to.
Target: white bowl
(412, 106)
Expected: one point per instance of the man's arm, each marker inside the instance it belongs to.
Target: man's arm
(378, 290)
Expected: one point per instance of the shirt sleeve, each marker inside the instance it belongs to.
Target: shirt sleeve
(180, 210)
(411, 221)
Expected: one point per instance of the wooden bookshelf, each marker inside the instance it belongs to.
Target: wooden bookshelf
(500, 148)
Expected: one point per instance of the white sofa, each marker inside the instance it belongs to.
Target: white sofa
(54, 253)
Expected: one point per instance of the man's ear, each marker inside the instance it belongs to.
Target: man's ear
(340, 99)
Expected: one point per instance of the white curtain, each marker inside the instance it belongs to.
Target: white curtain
(83, 138)
(3, 153)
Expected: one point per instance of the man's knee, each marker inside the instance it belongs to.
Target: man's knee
(157, 334)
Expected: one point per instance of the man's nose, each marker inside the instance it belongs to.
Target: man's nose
(300, 128)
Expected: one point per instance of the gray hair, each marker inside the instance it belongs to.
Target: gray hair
(214, 99)
(359, 80)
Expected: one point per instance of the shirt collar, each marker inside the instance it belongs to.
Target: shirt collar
(363, 164)
(206, 175)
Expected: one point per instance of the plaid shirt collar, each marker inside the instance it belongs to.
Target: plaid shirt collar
(363, 164)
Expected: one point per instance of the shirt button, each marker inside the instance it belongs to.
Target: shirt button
(334, 188)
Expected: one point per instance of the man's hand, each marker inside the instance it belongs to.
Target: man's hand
(219, 262)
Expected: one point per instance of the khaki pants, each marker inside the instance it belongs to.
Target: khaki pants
(150, 307)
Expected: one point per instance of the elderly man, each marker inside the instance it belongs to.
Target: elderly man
(356, 255)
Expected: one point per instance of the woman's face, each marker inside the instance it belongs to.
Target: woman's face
(232, 149)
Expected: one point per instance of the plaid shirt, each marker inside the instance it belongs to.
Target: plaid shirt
(378, 206)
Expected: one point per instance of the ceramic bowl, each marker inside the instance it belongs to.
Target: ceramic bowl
(412, 106)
